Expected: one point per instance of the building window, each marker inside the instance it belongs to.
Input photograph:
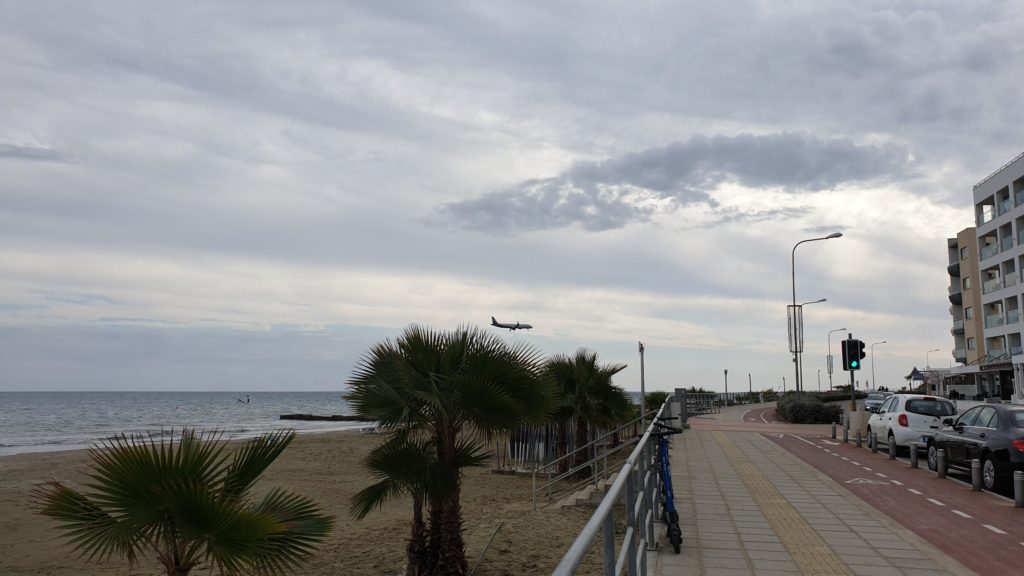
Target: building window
(971, 343)
(963, 252)
(969, 313)
(967, 282)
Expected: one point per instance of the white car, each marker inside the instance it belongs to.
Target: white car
(875, 399)
(906, 418)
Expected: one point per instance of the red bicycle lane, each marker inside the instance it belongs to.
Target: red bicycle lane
(980, 530)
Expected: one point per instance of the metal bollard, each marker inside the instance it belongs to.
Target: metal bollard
(913, 455)
(1018, 489)
(833, 430)
(846, 435)
(976, 475)
(892, 449)
(940, 455)
(873, 442)
(858, 439)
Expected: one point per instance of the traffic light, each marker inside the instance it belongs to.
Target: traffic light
(853, 353)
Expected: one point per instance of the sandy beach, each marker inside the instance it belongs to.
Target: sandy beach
(326, 468)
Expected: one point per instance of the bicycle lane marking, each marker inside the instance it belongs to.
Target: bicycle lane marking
(929, 512)
(807, 548)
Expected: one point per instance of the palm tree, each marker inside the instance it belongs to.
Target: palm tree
(441, 395)
(189, 504)
(588, 397)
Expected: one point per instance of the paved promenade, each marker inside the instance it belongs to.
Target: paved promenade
(750, 506)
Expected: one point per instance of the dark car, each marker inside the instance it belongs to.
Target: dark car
(992, 433)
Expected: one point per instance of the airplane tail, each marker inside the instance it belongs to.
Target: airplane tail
(493, 321)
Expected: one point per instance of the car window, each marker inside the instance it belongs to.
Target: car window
(884, 406)
(987, 418)
(1018, 418)
(968, 417)
(875, 396)
(930, 407)
(894, 405)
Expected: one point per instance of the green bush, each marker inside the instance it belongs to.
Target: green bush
(806, 409)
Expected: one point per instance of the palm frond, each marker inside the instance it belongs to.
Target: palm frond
(252, 460)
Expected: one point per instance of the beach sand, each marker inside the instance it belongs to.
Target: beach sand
(325, 467)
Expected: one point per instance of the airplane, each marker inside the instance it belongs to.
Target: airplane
(516, 326)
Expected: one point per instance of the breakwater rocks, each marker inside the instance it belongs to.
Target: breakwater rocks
(334, 418)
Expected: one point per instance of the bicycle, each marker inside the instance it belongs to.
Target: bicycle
(669, 515)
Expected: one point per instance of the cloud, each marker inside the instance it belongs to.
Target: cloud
(36, 153)
(613, 193)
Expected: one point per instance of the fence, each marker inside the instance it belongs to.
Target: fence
(638, 485)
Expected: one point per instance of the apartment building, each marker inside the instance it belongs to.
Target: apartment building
(999, 246)
(965, 306)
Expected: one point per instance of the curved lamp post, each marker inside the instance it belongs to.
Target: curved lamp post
(873, 382)
(795, 330)
(828, 338)
(800, 360)
(928, 369)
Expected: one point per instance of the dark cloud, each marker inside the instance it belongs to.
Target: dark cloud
(611, 194)
(36, 153)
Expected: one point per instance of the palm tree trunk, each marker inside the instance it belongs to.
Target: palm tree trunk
(416, 549)
(582, 456)
(447, 548)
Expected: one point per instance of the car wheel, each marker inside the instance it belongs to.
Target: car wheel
(993, 473)
(933, 457)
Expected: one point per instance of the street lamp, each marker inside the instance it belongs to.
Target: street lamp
(796, 323)
(800, 360)
(926, 365)
(819, 379)
(873, 381)
(828, 338)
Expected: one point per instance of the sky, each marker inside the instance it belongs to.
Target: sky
(229, 195)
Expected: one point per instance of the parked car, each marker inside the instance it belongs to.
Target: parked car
(992, 433)
(907, 418)
(875, 399)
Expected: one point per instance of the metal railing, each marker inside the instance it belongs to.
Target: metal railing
(638, 484)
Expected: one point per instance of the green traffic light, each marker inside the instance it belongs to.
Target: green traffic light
(854, 364)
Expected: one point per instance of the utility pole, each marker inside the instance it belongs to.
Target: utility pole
(726, 387)
(643, 396)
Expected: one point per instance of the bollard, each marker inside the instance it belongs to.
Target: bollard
(976, 475)
(833, 430)
(1018, 489)
(913, 455)
(858, 439)
(873, 442)
(940, 456)
(846, 435)
(892, 448)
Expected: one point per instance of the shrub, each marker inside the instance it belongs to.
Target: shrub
(806, 409)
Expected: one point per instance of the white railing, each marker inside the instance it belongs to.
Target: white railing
(639, 486)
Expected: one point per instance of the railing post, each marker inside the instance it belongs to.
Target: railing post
(609, 545)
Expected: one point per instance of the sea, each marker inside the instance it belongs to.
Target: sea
(48, 421)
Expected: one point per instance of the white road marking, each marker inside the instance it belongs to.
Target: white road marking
(854, 463)
(897, 482)
(865, 481)
(936, 502)
(993, 528)
(868, 469)
(845, 458)
(763, 412)
(804, 440)
(963, 514)
(827, 450)
(880, 474)
(830, 443)
(912, 491)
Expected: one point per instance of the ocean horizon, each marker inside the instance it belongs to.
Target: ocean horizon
(49, 421)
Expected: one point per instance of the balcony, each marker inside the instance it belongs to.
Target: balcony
(956, 298)
(953, 269)
(993, 320)
(1012, 316)
(1010, 279)
(991, 285)
(989, 251)
(960, 355)
(1016, 351)
(1005, 206)
(1006, 243)
(958, 327)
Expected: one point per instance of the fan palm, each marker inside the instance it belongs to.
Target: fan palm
(188, 502)
(588, 396)
(441, 395)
